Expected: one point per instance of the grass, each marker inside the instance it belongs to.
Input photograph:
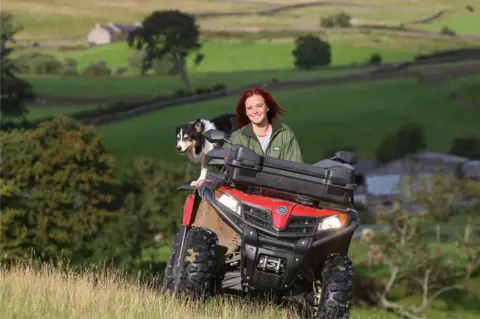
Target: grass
(336, 116)
(37, 113)
(157, 85)
(235, 55)
(224, 56)
(60, 291)
(66, 18)
(310, 16)
(51, 292)
(460, 24)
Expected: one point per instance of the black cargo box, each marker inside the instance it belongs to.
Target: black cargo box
(333, 182)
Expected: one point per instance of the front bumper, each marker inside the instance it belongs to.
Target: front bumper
(273, 263)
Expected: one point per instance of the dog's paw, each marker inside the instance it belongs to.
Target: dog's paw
(194, 183)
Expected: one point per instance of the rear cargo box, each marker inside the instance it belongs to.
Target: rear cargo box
(334, 183)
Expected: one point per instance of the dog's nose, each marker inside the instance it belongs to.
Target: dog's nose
(179, 148)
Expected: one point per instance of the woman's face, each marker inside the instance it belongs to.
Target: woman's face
(256, 109)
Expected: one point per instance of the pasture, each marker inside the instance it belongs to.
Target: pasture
(230, 55)
(37, 113)
(359, 114)
(158, 85)
(57, 19)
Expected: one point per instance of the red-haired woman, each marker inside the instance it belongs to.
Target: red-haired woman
(260, 129)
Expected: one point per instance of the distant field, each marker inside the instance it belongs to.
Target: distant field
(354, 114)
(310, 16)
(59, 18)
(235, 55)
(459, 23)
(159, 85)
(36, 113)
(66, 18)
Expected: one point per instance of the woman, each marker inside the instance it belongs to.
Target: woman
(260, 130)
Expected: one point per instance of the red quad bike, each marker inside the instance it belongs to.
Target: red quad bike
(271, 226)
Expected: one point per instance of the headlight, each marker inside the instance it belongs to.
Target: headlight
(332, 222)
(231, 203)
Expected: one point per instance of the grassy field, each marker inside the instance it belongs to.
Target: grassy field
(60, 18)
(47, 292)
(65, 18)
(157, 85)
(37, 113)
(235, 55)
(458, 23)
(352, 114)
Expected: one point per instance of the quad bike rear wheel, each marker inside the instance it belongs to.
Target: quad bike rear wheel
(337, 288)
(196, 275)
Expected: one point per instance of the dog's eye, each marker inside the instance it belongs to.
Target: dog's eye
(186, 136)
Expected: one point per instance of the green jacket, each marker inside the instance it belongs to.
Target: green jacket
(283, 143)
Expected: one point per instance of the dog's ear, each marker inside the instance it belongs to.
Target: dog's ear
(197, 125)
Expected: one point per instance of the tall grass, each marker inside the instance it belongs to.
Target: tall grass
(49, 291)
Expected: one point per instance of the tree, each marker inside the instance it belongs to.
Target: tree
(68, 191)
(470, 239)
(310, 51)
(412, 260)
(14, 91)
(437, 194)
(168, 33)
(151, 206)
(467, 147)
(409, 139)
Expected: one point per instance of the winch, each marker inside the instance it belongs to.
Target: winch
(271, 264)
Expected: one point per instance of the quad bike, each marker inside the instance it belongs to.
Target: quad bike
(261, 224)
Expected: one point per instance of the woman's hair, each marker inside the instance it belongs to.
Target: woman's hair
(273, 108)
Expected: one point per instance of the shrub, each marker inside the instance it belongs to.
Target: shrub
(69, 67)
(310, 51)
(327, 22)
(467, 147)
(120, 70)
(66, 178)
(342, 19)
(98, 68)
(165, 66)
(135, 62)
(152, 206)
(408, 139)
(447, 31)
(38, 64)
(375, 58)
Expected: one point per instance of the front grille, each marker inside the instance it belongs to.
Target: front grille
(296, 227)
(258, 217)
(303, 226)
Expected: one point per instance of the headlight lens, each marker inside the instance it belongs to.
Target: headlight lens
(331, 222)
(230, 202)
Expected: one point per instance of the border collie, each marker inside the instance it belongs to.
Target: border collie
(192, 143)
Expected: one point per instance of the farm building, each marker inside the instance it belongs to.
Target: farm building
(110, 33)
(378, 184)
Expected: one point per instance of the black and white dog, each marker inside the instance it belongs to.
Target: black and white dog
(192, 143)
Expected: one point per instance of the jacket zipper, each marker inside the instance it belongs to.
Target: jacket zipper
(269, 143)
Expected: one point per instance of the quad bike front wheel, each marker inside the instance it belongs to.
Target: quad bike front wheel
(337, 288)
(192, 271)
